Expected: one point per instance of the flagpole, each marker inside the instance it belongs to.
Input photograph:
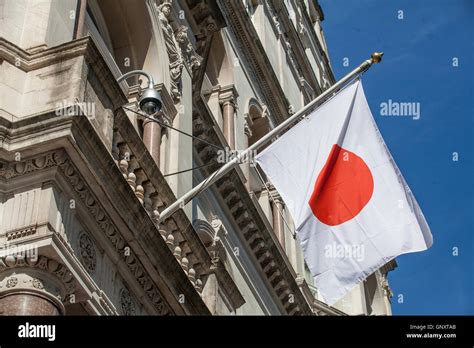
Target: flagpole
(183, 200)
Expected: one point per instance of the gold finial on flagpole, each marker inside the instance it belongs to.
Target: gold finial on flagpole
(376, 57)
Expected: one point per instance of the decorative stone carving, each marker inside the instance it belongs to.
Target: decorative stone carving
(170, 233)
(172, 48)
(109, 229)
(208, 25)
(21, 233)
(12, 282)
(42, 263)
(127, 303)
(191, 58)
(87, 252)
(11, 170)
(178, 45)
(216, 223)
(198, 285)
(216, 249)
(38, 284)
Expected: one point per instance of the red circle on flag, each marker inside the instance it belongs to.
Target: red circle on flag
(343, 187)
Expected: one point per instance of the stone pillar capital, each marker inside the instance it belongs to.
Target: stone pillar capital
(228, 95)
(228, 100)
(32, 286)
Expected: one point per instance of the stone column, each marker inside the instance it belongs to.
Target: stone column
(278, 223)
(33, 286)
(152, 138)
(228, 100)
(26, 294)
(228, 110)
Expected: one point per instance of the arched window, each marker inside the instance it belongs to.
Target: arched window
(257, 120)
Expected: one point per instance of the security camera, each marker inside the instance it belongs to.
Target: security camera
(150, 101)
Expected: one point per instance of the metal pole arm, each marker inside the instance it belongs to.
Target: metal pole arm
(125, 76)
(375, 58)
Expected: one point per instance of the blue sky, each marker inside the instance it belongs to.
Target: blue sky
(418, 67)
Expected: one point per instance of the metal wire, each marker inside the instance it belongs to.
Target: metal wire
(175, 129)
(190, 169)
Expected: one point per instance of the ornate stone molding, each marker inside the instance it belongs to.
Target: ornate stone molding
(87, 252)
(127, 303)
(107, 226)
(60, 159)
(21, 233)
(41, 274)
(208, 19)
(387, 291)
(11, 170)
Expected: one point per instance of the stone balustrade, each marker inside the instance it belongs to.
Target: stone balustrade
(148, 195)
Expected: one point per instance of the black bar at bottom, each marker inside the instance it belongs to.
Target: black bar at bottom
(291, 331)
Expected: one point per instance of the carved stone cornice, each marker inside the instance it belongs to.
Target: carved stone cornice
(59, 159)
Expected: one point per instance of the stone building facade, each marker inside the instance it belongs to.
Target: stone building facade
(84, 177)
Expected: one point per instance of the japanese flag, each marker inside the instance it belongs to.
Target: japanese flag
(351, 206)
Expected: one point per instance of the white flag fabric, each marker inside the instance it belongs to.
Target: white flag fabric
(352, 209)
